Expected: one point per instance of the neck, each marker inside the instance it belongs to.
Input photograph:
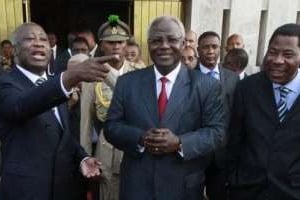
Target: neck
(164, 70)
(116, 64)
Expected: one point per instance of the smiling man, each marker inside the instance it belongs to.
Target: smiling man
(168, 123)
(264, 132)
(40, 159)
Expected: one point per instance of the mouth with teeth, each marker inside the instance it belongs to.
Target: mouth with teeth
(38, 55)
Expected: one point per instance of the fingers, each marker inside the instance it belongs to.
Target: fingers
(105, 59)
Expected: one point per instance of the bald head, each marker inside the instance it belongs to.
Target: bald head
(159, 20)
(235, 41)
(191, 39)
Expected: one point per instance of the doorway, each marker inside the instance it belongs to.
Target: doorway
(63, 16)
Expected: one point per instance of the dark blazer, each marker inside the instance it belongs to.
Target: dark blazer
(40, 160)
(61, 62)
(216, 177)
(194, 112)
(228, 80)
(264, 153)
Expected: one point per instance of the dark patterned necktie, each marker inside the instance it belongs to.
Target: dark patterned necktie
(163, 98)
(40, 81)
(282, 105)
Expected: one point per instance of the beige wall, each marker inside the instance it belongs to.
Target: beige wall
(245, 19)
(11, 15)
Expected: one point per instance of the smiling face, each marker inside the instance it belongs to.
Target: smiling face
(165, 43)
(32, 49)
(282, 59)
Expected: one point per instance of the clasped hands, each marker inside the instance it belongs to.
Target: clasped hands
(160, 141)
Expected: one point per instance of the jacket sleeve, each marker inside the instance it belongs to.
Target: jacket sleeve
(116, 131)
(211, 133)
(19, 104)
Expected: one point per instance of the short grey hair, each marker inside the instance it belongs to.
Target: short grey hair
(167, 18)
(14, 37)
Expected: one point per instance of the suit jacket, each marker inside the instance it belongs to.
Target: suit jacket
(61, 62)
(228, 80)
(40, 160)
(264, 153)
(194, 112)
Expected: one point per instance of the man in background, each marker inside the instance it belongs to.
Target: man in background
(209, 53)
(236, 60)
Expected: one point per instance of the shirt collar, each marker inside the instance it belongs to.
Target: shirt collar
(93, 51)
(293, 85)
(242, 75)
(54, 48)
(117, 72)
(170, 76)
(205, 70)
(31, 76)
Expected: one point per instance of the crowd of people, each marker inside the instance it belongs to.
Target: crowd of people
(93, 122)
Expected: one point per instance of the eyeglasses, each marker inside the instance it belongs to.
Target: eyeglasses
(168, 40)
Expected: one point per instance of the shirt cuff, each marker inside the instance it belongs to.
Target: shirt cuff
(85, 158)
(67, 93)
(141, 149)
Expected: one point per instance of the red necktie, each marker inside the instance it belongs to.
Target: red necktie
(162, 99)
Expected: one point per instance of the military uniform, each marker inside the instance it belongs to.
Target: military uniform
(96, 104)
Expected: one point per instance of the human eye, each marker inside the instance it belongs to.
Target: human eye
(156, 41)
(288, 54)
(173, 40)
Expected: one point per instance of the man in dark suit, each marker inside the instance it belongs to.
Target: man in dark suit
(209, 54)
(237, 61)
(40, 160)
(56, 51)
(168, 123)
(264, 129)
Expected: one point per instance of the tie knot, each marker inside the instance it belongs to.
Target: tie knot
(40, 81)
(163, 80)
(211, 73)
(284, 91)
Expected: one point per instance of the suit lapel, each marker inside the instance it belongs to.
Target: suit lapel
(266, 95)
(62, 110)
(294, 109)
(22, 79)
(148, 91)
(223, 77)
(179, 92)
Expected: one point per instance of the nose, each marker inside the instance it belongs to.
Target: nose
(278, 59)
(165, 43)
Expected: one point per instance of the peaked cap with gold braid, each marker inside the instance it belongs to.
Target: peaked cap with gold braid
(113, 30)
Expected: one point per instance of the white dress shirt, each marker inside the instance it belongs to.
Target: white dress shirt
(93, 51)
(293, 86)
(171, 80)
(54, 50)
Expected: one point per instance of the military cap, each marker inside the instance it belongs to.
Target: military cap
(113, 30)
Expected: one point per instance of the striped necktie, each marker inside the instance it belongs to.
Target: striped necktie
(282, 105)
